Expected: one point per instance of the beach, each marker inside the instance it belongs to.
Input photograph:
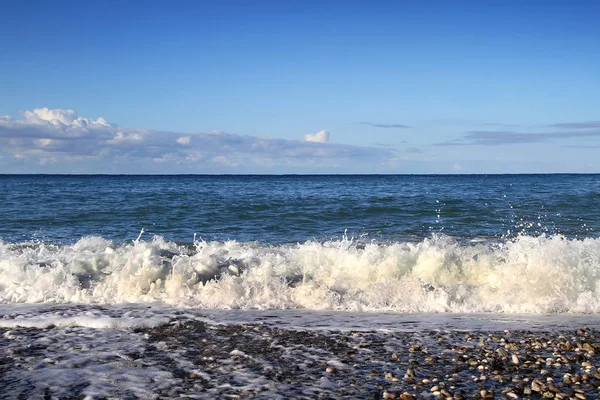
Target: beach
(190, 355)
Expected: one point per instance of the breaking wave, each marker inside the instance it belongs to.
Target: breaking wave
(545, 274)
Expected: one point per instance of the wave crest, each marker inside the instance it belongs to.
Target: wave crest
(544, 274)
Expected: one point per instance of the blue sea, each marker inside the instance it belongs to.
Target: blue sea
(440, 243)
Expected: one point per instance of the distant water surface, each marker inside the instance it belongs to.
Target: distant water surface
(290, 209)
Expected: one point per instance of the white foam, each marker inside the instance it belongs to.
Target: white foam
(545, 274)
(97, 322)
(72, 356)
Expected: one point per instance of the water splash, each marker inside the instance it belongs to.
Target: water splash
(543, 274)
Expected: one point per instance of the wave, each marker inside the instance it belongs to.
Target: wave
(544, 274)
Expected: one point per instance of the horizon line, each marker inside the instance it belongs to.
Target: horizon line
(313, 174)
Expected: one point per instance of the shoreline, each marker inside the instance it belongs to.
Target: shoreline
(194, 359)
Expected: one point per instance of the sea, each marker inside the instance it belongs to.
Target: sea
(102, 256)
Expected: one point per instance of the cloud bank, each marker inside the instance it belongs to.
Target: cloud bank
(577, 125)
(497, 138)
(59, 141)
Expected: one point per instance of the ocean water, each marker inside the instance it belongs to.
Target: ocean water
(111, 286)
(453, 243)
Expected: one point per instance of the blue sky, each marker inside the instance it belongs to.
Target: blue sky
(399, 87)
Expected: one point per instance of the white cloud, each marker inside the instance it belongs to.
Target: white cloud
(66, 142)
(122, 137)
(184, 140)
(320, 137)
(61, 117)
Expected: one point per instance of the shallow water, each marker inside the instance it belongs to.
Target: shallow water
(155, 351)
(133, 316)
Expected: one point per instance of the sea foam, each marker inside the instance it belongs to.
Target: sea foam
(545, 274)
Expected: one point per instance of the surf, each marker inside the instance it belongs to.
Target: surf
(526, 274)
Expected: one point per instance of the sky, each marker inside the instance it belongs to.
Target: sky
(276, 87)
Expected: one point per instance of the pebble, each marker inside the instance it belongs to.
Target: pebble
(461, 366)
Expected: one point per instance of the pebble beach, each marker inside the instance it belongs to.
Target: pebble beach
(194, 359)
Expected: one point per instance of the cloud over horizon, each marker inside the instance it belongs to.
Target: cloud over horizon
(62, 140)
(497, 138)
(577, 125)
(65, 118)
